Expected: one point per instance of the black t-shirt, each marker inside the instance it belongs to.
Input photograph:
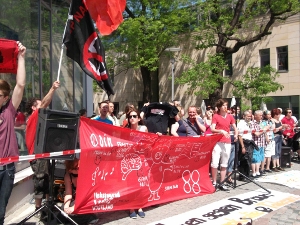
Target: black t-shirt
(157, 116)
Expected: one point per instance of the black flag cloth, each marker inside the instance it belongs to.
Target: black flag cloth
(84, 45)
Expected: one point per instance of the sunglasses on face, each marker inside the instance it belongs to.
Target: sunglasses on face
(132, 116)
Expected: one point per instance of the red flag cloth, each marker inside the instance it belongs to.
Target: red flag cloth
(123, 169)
(8, 56)
(84, 46)
(108, 14)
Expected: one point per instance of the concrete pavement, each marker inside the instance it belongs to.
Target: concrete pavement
(289, 214)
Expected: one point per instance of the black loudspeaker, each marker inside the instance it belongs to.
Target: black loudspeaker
(285, 159)
(56, 131)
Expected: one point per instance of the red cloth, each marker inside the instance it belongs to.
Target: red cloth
(20, 119)
(106, 13)
(123, 169)
(31, 131)
(8, 56)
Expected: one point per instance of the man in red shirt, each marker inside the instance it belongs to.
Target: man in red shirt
(288, 125)
(40, 167)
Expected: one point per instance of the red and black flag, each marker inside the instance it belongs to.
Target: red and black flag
(84, 45)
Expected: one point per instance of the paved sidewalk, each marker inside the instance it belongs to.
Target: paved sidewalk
(289, 214)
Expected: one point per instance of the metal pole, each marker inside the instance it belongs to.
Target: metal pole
(172, 67)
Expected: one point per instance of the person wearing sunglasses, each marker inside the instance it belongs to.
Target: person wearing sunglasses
(136, 123)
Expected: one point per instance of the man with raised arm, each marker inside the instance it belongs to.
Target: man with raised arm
(8, 140)
(39, 167)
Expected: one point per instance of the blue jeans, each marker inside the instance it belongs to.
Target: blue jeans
(231, 159)
(6, 185)
(278, 144)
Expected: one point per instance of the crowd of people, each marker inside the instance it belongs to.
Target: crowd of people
(258, 137)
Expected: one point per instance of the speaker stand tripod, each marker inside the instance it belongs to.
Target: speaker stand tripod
(49, 205)
(236, 171)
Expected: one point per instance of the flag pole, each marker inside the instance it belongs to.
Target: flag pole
(70, 17)
(60, 59)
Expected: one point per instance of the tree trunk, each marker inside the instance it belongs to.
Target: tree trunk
(218, 92)
(155, 86)
(146, 75)
(215, 96)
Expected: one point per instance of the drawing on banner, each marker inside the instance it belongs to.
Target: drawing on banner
(194, 178)
(121, 151)
(129, 163)
(191, 150)
(158, 168)
(103, 174)
(142, 178)
(97, 160)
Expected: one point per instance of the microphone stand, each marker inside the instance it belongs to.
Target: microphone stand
(235, 167)
(50, 204)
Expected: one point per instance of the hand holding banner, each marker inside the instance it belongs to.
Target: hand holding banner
(122, 169)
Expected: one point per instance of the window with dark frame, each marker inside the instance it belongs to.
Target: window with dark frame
(282, 58)
(229, 70)
(264, 57)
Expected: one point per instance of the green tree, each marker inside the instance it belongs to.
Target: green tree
(256, 84)
(149, 28)
(226, 26)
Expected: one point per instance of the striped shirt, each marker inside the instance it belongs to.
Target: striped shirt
(260, 140)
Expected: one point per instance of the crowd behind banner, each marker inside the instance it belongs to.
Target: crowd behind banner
(260, 136)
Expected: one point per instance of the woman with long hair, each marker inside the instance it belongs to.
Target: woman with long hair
(135, 122)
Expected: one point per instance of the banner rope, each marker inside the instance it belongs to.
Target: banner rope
(37, 156)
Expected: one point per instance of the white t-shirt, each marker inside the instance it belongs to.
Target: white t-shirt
(295, 119)
(243, 126)
(142, 128)
(281, 117)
